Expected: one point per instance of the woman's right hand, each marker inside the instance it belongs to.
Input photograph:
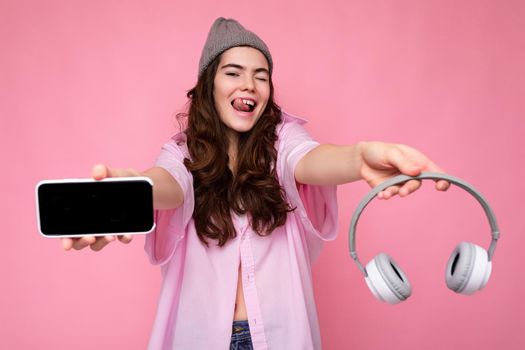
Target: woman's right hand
(100, 172)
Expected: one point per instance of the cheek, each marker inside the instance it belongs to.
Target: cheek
(218, 98)
(222, 93)
(266, 98)
(264, 92)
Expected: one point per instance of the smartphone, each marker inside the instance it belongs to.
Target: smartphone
(79, 207)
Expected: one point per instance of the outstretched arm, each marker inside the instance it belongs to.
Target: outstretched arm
(373, 162)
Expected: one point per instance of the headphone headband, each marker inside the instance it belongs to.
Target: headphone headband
(404, 178)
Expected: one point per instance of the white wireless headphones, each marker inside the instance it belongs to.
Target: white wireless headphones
(469, 265)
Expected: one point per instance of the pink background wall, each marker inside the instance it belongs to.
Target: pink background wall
(100, 81)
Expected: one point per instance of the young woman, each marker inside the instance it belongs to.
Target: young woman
(245, 199)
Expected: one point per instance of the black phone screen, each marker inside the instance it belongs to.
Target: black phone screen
(99, 207)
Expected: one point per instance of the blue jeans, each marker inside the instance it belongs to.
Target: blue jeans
(241, 339)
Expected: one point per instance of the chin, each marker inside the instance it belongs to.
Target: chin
(241, 128)
(240, 124)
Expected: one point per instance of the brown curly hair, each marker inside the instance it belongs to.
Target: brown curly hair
(254, 188)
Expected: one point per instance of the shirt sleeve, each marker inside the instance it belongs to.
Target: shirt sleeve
(171, 225)
(316, 205)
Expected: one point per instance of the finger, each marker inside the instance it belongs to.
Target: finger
(389, 192)
(429, 166)
(67, 243)
(403, 163)
(101, 242)
(81, 243)
(442, 185)
(409, 187)
(99, 172)
(432, 167)
(125, 238)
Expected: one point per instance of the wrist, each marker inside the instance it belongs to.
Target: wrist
(360, 149)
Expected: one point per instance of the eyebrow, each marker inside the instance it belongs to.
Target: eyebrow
(238, 66)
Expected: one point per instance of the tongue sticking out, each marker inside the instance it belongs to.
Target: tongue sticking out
(241, 106)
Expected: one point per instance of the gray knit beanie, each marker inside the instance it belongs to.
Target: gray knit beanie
(225, 34)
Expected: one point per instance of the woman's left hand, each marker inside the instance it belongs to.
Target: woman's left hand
(381, 161)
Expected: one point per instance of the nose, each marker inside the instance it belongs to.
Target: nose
(248, 83)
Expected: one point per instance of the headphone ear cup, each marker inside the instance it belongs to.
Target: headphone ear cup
(386, 280)
(468, 268)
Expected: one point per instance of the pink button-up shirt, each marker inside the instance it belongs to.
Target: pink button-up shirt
(198, 294)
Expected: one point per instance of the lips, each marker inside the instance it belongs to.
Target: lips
(244, 104)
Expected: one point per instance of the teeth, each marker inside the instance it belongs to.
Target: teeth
(248, 102)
